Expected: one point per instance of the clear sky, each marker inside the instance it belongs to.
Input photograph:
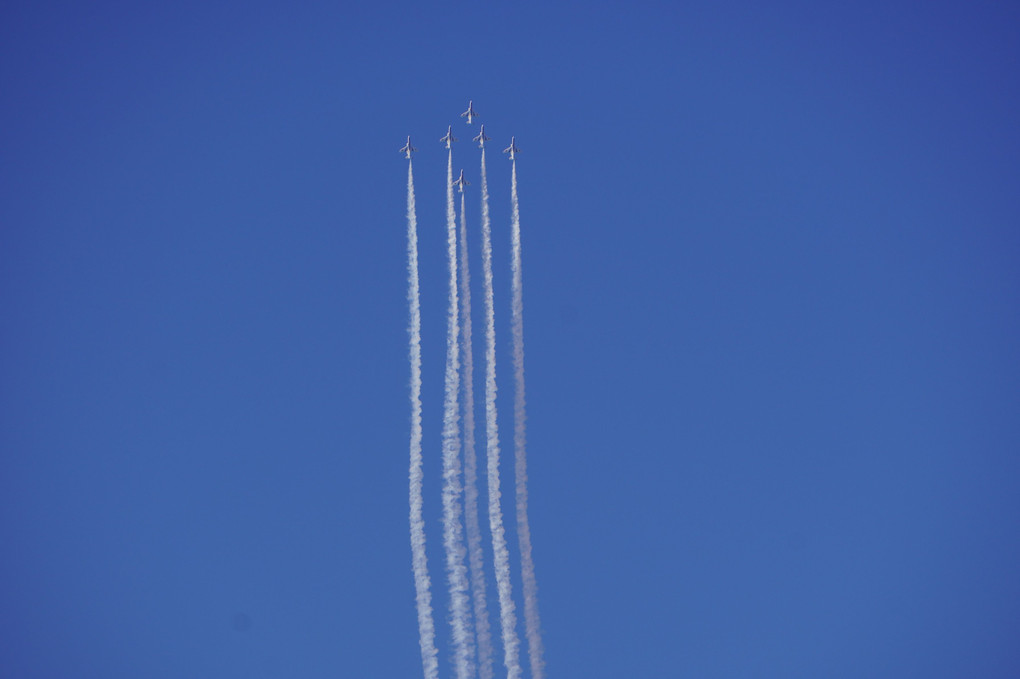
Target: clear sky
(772, 318)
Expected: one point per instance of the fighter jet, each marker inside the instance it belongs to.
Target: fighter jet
(469, 114)
(407, 148)
(449, 138)
(512, 149)
(461, 182)
(481, 138)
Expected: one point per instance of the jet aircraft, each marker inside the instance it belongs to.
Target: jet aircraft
(449, 138)
(407, 148)
(461, 182)
(481, 138)
(512, 149)
(469, 114)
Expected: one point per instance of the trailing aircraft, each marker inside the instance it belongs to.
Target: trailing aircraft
(481, 138)
(512, 149)
(407, 148)
(449, 138)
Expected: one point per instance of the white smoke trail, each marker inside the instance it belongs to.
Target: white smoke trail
(530, 586)
(419, 563)
(453, 537)
(501, 557)
(474, 535)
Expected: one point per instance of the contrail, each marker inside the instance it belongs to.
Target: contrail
(501, 557)
(474, 534)
(530, 586)
(419, 563)
(453, 537)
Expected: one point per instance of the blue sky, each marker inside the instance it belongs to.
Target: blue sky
(771, 285)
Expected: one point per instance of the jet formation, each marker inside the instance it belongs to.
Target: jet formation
(463, 595)
(448, 139)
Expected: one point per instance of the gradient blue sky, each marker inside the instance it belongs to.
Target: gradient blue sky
(771, 316)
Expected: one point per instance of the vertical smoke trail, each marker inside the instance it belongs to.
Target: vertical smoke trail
(474, 534)
(501, 557)
(453, 538)
(419, 564)
(530, 586)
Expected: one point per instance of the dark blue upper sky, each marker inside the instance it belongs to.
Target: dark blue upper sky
(771, 316)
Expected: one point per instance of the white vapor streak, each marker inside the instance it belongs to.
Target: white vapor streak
(419, 563)
(453, 538)
(530, 586)
(474, 534)
(501, 557)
